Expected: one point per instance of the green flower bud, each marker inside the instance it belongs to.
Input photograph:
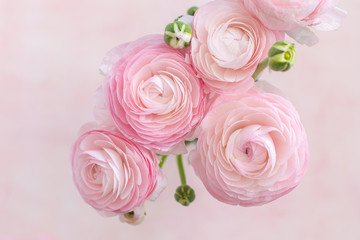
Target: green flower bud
(282, 56)
(178, 35)
(184, 195)
(191, 11)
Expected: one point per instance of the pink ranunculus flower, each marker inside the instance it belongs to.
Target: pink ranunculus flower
(252, 148)
(227, 45)
(291, 14)
(111, 173)
(154, 95)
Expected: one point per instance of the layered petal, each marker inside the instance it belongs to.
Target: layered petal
(287, 15)
(152, 93)
(111, 173)
(227, 45)
(252, 148)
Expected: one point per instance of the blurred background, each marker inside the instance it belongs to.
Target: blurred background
(50, 51)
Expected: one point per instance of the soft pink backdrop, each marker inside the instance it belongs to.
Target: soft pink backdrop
(49, 57)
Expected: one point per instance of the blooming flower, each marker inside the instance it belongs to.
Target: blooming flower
(152, 92)
(294, 16)
(111, 173)
(289, 14)
(252, 148)
(227, 45)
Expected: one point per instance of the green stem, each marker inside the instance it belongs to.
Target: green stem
(261, 67)
(163, 158)
(181, 170)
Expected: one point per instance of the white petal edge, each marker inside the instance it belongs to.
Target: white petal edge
(303, 36)
(111, 58)
(331, 20)
(269, 88)
(187, 19)
(160, 186)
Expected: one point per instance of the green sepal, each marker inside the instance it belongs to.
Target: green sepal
(187, 143)
(178, 34)
(177, 19)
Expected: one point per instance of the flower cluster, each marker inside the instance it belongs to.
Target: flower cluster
(199, 83)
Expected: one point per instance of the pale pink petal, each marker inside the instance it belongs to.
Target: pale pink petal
(153, 94)
(251, 148)
(227, 45)
(287, 15)
(331, 20)
(112, 174)
(303, 36)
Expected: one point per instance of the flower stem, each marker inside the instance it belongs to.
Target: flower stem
(181, 170)
(163, 158)
(261, 67)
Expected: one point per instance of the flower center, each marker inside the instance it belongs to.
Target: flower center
(247, 150)
(232, 45)
(156, 93)
(236, 41)
(95, 171)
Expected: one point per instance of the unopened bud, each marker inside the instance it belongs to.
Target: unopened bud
(134, 217)
(282, 56)
(184, 195)
(191, 11)
(178, 34)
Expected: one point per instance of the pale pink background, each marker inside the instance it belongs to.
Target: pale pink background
(50, 51)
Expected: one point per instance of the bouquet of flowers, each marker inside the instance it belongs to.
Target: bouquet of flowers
(198, 83)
